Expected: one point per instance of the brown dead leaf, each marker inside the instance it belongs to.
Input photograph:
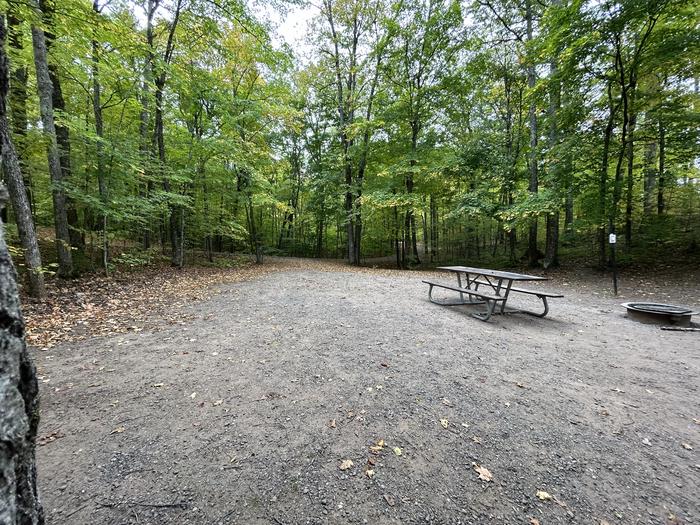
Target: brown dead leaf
(534, 521)
(484, 473)
(369, 473)
(346, 464)
(477, 440)
(331, 424)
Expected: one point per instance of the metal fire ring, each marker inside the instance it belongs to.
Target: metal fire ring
(659, 313)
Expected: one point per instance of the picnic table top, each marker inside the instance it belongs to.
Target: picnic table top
(493, 273)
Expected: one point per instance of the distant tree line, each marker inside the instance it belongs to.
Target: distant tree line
(419, 131)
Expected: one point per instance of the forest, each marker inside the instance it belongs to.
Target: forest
(519, 132)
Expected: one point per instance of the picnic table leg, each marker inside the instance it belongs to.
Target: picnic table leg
(545, 304)
(490, 304)
(459, 283)
(505, 300)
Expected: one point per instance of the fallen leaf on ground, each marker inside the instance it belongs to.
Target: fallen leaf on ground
(49, 438)
(346, 464)
(445, 423)
(118, 430)
(476, 439)
(193, 395)
(686, 446)
(534, 521)
(544, 496)
(398, 451)
(376, 449)
(332, 423)
(218, 402)
(109, 305)
(484, 473)
(369, 473)
(389, 500)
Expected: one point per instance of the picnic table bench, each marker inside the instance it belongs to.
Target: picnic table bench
(498, 287)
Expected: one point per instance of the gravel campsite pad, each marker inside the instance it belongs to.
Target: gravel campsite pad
(322, 395)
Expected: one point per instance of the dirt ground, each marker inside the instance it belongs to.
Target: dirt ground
(246, 410)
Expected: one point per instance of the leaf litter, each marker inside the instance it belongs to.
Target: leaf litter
(96, 305)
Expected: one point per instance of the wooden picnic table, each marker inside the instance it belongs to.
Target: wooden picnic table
(498, 286)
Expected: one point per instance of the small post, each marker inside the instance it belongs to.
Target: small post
(612, 239)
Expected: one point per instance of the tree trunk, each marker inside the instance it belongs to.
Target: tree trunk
(552, 247)
(551, 252)
(532, 251)
(660, 198)
(15, 182)
(630, 175)
(48, 9)
(434, 229)
(45, 90)
(145, 150)
(650, 150)
(160, 77)
(18, 99)
(603, 180)
(99, 146)
(411, 237)
(19, 391)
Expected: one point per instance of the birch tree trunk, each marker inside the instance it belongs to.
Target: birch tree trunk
(15, 182)
(48, 10)
(19, 391)
(45, 91)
